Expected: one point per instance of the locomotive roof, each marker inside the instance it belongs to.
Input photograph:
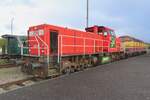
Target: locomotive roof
(54, 26)
(60, 27)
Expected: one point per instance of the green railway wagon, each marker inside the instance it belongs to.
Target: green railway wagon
(15, 44)
(2, 46)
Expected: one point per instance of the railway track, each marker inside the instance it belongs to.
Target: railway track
(8, 65)
(14, 85)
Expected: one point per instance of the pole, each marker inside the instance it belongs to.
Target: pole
(12, 26)
(87, 16)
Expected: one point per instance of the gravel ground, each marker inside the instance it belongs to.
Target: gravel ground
(11, 74)
(124, 80)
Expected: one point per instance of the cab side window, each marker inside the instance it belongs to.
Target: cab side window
(100, 32)
(105, 33)
(112, 33)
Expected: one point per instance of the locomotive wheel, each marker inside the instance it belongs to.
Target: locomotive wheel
(40, 72)
(81, 67)
(66, 71)
(23, 68)
(29, 69)
(78, 68)
(85, 66)
(72, 70)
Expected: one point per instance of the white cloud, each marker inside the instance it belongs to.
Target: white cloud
(123, 16)
(34, 12)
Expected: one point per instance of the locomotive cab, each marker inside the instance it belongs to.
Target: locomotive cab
(102, 30)
(108, 35)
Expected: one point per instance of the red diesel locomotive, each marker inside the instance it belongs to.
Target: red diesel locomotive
(68, 50)
(66, 42)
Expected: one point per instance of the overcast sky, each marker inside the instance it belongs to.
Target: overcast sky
(127, 17)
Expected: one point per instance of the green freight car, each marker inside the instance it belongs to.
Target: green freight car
(15, 45)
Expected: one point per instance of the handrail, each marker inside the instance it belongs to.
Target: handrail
(47, 47)
(21, 45)
(48, 58)
(38, 45)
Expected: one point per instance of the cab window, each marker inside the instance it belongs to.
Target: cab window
(112, 33)
(105, 33)
(100, 33)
